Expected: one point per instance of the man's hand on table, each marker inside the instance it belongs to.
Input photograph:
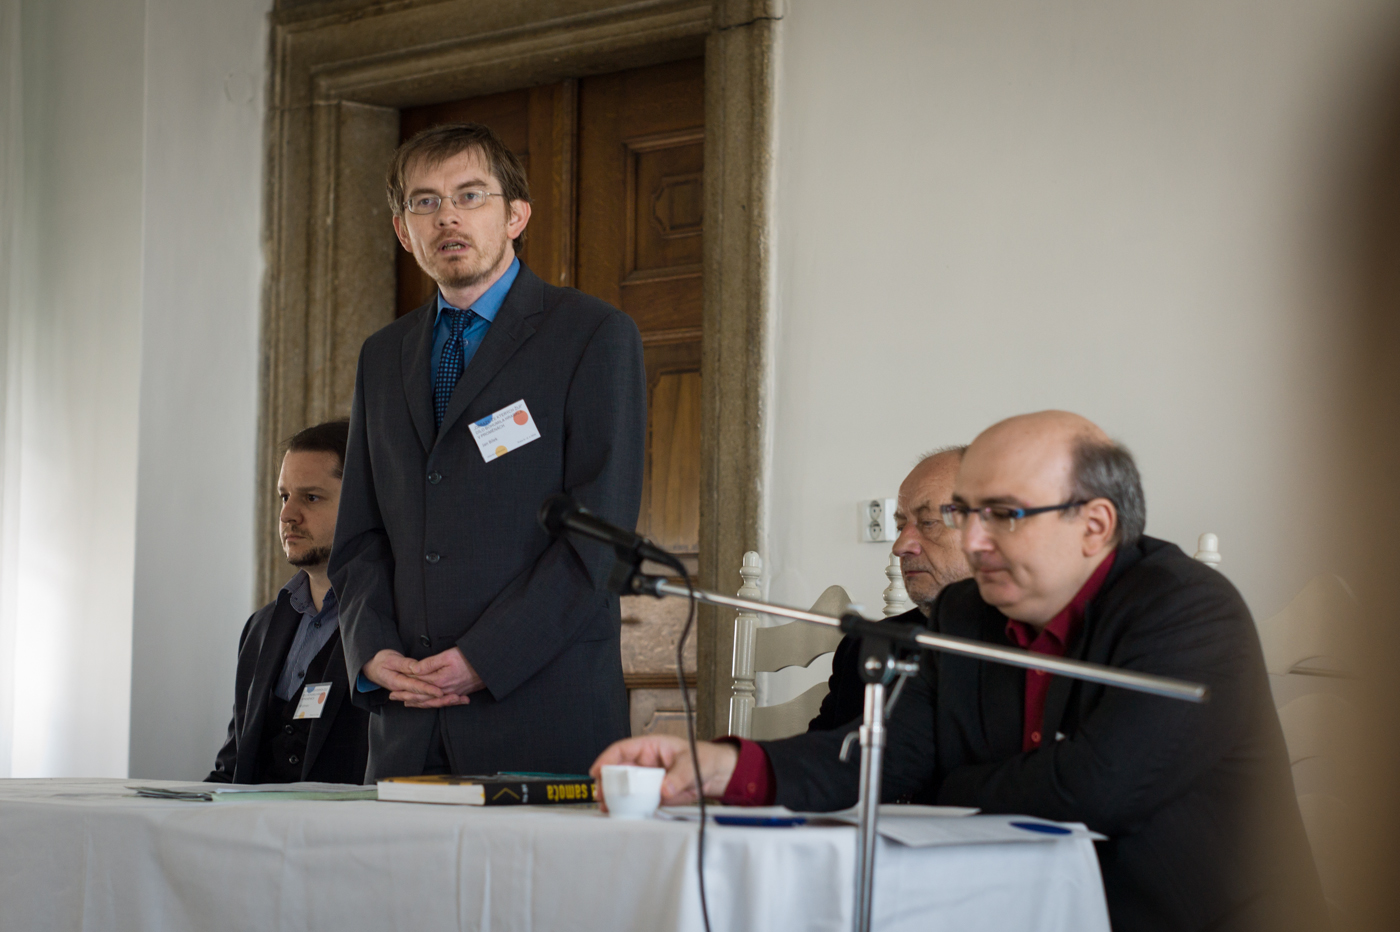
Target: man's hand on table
(717, 761)
(431, 683)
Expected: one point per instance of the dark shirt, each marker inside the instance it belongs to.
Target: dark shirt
(282, 750)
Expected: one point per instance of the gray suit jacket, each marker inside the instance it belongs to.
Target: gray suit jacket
(435, 547)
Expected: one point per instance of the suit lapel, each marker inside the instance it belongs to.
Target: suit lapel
(1057, 699)
(321, 727)
(510, 328)
(416, 363)
(281, 628)
(1001, 716)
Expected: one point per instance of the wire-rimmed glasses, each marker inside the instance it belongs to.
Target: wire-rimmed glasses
(462, 200)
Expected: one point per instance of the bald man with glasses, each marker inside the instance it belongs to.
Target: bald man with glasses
(1196, 801)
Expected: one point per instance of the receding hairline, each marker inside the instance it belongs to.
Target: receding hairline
(956, 449)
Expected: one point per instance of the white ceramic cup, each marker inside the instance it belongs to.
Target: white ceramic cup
(632, 792)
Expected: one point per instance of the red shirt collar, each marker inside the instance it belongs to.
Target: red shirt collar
(1065, 625)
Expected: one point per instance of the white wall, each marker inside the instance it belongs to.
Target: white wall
(199, 339)
(983, 208)
(131, 200)
(73, 331)
(1001, 206)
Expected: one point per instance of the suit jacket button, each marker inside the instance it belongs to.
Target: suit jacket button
(288, 729)
(425, 640)
(434, 477)
(294, 759)
(432, 557)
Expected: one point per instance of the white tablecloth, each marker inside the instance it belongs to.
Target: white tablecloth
(88, 855)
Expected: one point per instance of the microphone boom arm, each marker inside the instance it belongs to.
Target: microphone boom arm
(926, 640)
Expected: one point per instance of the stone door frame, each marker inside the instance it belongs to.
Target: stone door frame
(340, 72)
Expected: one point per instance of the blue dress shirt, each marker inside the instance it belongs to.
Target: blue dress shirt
(315, 630)
(485, 307)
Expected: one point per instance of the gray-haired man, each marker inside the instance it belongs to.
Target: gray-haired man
(930, 557)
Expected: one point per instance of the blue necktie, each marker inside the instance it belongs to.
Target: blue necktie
(449, 368)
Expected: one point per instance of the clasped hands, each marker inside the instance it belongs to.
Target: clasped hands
(431, 683)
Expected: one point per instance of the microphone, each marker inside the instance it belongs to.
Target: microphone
(561, 515)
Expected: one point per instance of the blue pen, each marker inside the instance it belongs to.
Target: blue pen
(1043, 828)
(761, 821)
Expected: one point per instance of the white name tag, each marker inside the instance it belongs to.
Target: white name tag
(508, 429)
(313, 700)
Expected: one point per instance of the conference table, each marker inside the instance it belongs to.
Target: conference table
(90, 855)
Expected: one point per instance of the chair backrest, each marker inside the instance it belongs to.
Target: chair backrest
(1314, 632)
(1308, 649)
(785, 658)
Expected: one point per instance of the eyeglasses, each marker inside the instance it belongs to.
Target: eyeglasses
(997, 518)
(466, 200)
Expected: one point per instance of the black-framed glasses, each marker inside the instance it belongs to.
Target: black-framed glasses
(997, 518)
(464, 200)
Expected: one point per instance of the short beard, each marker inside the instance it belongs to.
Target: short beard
(475, 278)
(313, 557)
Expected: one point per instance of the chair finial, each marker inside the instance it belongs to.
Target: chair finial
(896, 596)
(1208, 550)
(751, 572)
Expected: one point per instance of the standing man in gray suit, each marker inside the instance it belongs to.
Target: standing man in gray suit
(480, 644)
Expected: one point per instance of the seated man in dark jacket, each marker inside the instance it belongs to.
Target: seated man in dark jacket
(292, 715)
(930, 557)
(1197, 801)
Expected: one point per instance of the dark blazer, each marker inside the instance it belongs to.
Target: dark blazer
(338, 743)
(845, 690)
(435, 547)
(1196, 800)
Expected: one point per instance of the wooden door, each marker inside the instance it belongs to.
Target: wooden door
(615, 164)
(641, 162)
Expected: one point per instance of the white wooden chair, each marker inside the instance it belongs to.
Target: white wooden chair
(781, 670)
(1307, 649)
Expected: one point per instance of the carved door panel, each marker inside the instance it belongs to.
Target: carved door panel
(615, 164)
(641, 161)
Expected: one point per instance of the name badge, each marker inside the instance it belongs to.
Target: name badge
(313, 700)
(508, 429)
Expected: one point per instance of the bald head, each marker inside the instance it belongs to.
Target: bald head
(930, 556)
(1032, 566)
(1036, 447)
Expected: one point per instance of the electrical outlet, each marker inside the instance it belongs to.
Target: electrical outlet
(875, 520)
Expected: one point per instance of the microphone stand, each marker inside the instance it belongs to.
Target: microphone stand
(890, 653)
